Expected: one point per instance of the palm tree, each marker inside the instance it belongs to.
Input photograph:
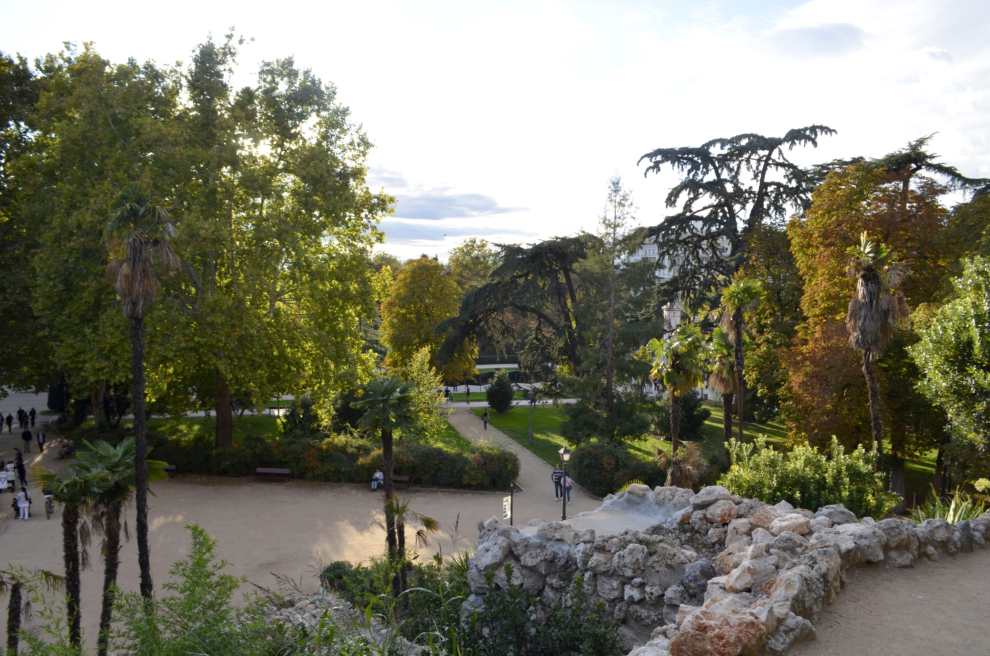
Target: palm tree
(138, 237)
(12, 583)
(73, 489)
(739, 299)
(387, 405)
(876, 307)
(114, 466)
(723, 380)
(405, 515)
(678, 363)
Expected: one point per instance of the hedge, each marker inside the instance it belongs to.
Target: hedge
(337, 459)
(604, 469)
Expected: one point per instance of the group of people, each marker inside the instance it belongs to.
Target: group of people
(25, 418)
(22, 501)
(561, 484)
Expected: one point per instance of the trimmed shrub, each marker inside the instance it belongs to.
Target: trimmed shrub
(808, 478)
(604, 469)
(693, 416)
(500, 393)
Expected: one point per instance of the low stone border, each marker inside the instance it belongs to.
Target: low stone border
(708, 573)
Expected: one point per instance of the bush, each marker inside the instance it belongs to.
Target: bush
(809, 479)
(603, 469)
(693, 416)
(960, 507)
(500, 393)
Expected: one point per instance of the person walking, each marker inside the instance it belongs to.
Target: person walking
(485, 418)
(23, 503)
(41, 441)
(567, 487)
(467, 394)
(32, 414)
(557, 476)
(27, 437)
(19, 466)
(10, 423)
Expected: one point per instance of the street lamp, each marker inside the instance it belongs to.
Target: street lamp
(532, 401)
(565, 455)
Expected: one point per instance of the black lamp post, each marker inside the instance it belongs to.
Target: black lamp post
(532, 401)
(565, 455)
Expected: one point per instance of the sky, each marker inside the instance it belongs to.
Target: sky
(505, 120)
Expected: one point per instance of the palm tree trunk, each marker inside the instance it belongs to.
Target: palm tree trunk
(225, 431)
(938, 480)
(675, 423)
(140, 454)
(70, 554)
(13, 617)
(874, 389)
(111, 562)
(727, 423)
(391, 539)
(898, 484)
(740, 385)
(400, 533)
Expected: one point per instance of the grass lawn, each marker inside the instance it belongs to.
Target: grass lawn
(451, 440)
(547, 440)
(480, 397)
(203, 429)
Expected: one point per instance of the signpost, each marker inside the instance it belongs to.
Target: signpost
(507, 505)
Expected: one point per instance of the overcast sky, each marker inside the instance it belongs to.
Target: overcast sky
(505, 120)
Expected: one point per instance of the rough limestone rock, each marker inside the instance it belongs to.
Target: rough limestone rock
(821, 522)
(639, 490)
(750, 574)
(631, 561)
(843, 544)
(733, 556)
(676, 595)
(792, 522)
(491, 554)
(838, 514)
(557, 531)
(633, 593)
(738, 530)
(705, 632)
(748, 507)
(764, 517)
(827, 565)
(721, 512)
(676, 498)
(761, 535)
(696, 577)
(798, 590)
(740, 601)
(609, 587)
(869, 539)
(791, 631)
(601, 562)
(709, 495)
(788, 546)
(895, 531)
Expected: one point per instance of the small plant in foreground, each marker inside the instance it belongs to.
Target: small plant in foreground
(960, 507)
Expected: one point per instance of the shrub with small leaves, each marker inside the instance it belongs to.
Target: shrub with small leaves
(500, 393)
(807, 478)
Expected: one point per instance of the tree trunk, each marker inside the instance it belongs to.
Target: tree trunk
(874, 389)
(610, 355)
(938, 480)
(14, 606)
(111, 562)
(140, 454)
(740, 364)
(898, 484)
(96, 398)
(400, 533)
(675, 423)
(225, 430)
(391, 539)
(727, 423)
(70, 554)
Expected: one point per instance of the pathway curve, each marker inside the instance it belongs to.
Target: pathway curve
(534, 475)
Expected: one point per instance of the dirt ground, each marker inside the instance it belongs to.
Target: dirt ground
(932, 609)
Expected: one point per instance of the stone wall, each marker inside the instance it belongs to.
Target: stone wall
(709, 573)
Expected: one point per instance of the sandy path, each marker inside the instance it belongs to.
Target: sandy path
(934, 608)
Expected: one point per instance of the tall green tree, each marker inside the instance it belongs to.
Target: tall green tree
(387, 406)
(723, 380)
(471, 263)
(678, 362)
(876, 307)
(728, 188)
(954, 356)
(138, 238)
(739, 299)
(422, 298)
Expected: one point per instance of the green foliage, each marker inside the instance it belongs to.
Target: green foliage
(603, 469)
(693, 416)
(194, 614)
(427, 417)
(572, 626)
(954, 355)
(807, 478)
(471, 263)
(500, 393)
(679, 361)
(959, 508)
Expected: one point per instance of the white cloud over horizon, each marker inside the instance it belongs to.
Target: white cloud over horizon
(505, 121)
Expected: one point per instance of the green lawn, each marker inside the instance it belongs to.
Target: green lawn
(480, 397)
(451, 440)
(547, 440)
(202, 429)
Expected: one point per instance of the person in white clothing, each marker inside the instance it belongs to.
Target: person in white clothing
(23, 503)
(377, 479)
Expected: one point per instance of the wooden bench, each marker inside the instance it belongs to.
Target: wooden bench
(271, 474)
(400, 482)
(171, 470)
